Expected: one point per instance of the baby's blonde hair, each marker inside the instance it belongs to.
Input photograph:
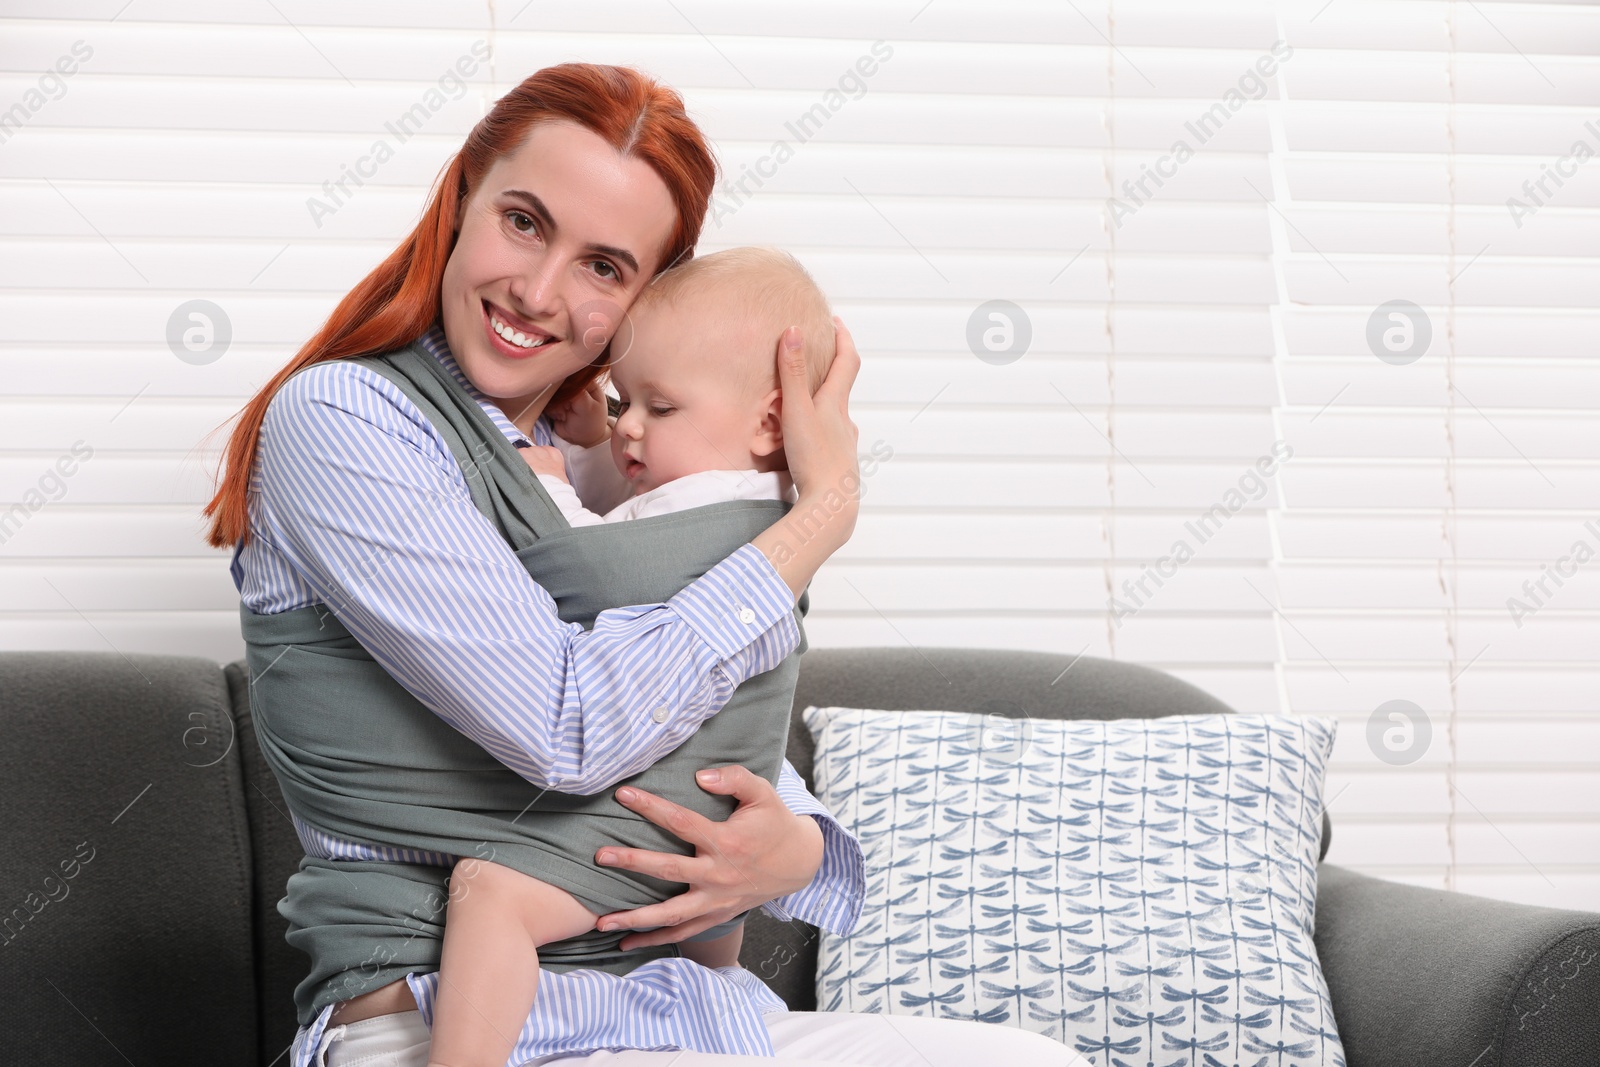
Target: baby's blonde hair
(771, 291)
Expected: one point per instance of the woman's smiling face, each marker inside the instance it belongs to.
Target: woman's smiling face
(552, 247)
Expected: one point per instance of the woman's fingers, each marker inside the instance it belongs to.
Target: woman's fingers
(793, 377)
(819, 437)
(679, 910)
(668, 935)
(671, 920)
(667, 866)
(846, 364)
(675, 819)
(738, 782)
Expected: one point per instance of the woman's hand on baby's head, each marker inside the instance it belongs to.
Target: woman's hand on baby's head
(545, 459)
(819, 438)
(582, 419)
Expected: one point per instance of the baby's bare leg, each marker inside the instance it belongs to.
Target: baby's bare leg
(489, 972)
(718, 952)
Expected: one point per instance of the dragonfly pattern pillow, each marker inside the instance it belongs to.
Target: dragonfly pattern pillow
(1140, 890)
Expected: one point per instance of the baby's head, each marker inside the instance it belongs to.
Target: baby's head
(699, 381)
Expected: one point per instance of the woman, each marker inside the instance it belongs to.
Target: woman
(341, 498)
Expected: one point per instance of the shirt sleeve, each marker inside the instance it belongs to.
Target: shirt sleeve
(357, 492)
(834, 898)
(566, 498)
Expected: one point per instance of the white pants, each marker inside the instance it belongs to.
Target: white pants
(801, 1038)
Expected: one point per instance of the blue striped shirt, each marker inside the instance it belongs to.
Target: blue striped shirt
(357, 503)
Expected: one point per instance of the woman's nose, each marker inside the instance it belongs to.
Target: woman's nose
(538, 287)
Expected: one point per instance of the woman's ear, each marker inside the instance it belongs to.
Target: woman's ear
(769, 431)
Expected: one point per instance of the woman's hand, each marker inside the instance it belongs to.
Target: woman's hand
(763, 851)
(819, 441)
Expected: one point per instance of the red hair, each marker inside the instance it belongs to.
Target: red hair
(399, 300)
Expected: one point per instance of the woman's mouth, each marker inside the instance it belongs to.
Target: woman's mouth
(516, 341)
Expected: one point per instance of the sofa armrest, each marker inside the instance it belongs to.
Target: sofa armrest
(1424, 978)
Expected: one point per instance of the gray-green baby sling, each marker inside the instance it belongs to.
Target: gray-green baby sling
(361, 759)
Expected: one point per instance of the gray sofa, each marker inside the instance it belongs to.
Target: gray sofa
(146, 846)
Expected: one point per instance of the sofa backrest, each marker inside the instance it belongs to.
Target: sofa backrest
(1042, 685)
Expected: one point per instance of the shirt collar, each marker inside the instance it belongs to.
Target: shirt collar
(435, 345)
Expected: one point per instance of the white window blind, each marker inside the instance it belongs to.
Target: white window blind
(1192, 214)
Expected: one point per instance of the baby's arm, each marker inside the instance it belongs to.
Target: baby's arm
(718, 952)
(550, 466)
(582, 433)
(595, 477)
(496, 921)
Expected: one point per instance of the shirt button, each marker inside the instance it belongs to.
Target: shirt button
(660, 714)
(746, 616)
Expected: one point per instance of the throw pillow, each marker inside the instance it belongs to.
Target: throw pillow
(1140, 890)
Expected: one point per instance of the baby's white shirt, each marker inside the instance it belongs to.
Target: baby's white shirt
(600, 487)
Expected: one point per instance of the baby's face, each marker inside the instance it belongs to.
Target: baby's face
(684, 409)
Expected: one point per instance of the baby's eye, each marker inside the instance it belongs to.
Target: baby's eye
(660, 412)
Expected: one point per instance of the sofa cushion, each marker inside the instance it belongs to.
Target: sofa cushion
(1041, 685)
(1137, 889)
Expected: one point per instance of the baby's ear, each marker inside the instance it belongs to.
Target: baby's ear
(769, 432)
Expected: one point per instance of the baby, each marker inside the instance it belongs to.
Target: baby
(699, 423)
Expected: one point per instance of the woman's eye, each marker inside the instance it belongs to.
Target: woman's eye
(518, 219)
(607, 270)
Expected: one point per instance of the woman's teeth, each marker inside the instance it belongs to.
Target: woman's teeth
(516, 337)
